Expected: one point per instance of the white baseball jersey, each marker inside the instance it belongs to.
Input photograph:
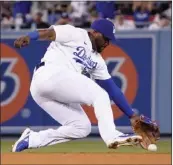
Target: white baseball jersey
(72, 48)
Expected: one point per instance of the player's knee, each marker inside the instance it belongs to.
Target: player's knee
(85, 129)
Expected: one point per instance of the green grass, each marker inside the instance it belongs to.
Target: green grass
(94, 146)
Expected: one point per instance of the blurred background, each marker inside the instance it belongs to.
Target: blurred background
(129, 15)
(142, 56)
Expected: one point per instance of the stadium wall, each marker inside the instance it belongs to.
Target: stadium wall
(140, 64)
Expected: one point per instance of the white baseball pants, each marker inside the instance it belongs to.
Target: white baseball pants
(60, 92)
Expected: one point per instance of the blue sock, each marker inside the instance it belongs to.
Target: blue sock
(116, 95)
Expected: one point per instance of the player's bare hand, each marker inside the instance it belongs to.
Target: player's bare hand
(22, 41)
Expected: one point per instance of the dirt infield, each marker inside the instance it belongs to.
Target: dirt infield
(84, 158)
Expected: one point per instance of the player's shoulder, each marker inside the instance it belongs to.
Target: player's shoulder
(76, 33)
(63, 27)
(83, 32)
(82, 35)
(70, 27)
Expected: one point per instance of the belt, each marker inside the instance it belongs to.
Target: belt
(39, 65)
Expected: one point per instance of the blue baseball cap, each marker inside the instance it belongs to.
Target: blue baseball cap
(105, 27)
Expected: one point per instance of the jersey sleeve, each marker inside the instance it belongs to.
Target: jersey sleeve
(101, 71)
(65, 33)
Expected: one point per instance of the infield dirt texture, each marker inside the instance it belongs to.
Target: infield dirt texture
(87, 152)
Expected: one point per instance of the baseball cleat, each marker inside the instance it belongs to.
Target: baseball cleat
(125, 140)
(23, 141)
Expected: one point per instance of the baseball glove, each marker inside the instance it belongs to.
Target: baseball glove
(145, 127)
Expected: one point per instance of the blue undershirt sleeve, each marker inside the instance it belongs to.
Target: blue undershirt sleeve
(116, 95)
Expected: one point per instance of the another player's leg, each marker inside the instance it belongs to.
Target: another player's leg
(75, 125)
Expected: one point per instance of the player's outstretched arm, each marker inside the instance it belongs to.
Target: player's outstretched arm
(116, 95)
(44, 34)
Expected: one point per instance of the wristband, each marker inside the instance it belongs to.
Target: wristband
(33, 35)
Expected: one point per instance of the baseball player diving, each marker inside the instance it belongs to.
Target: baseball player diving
(59, 88)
